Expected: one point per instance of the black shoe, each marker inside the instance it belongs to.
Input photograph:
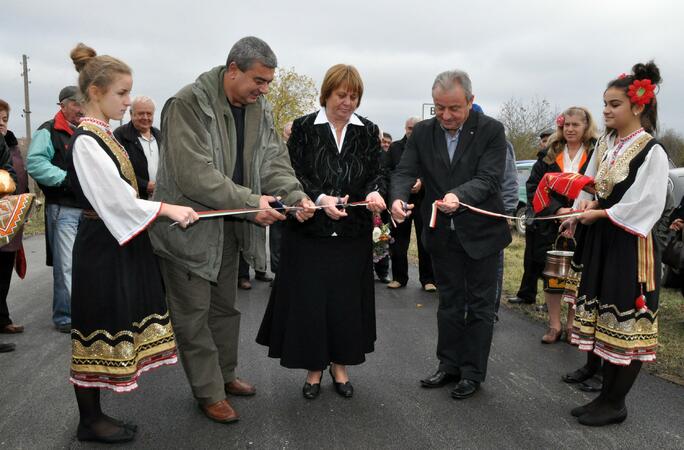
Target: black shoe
(518, 301)
(7, 347)
(346, 390)
(124, 434)
(439, 379)
(64, 328)
(244, 284)
(262, 276)
(603, 415)
(385, 279)
(311, 391)
(584, 409)
(591, 385)
(578, 376)
(464, 389)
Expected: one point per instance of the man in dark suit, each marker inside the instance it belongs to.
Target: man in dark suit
(402, 233)
(142, 142)
(460, 155)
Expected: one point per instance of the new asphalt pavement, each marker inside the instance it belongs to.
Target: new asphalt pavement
(523, 404)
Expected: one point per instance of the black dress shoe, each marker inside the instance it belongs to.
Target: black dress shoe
(263, 276)
(439, 379)
(346, 390)
(464, 389)
(385, 279)
(518, 301)
(311, 391)
(124, 434)
(6, 347)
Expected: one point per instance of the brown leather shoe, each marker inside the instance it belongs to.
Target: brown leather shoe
(244, 284)
(240, 388)
(220, 411)
(552, 335)
(12, 329)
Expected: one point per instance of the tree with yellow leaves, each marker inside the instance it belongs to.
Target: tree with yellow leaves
(292, 95)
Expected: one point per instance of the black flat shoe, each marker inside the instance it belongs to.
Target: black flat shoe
(578, 376)
(439, 379)
(124, 434)
(519, 301)
(311, 391)
(121, 423)
(346, 390)
(603, 415)
(465, 389)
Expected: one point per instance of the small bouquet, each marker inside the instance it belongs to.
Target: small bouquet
(381, 239)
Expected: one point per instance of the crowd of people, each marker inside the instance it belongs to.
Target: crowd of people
(140, 280)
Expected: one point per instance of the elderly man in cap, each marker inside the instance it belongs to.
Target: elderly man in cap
(142, 141)
(47, 163)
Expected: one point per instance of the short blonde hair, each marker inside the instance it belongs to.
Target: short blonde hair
(341, 75)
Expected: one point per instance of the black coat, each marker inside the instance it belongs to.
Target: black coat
(322, 169)
(474, 175)
(128, 135)
(395, 151)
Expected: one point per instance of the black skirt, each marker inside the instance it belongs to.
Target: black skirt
(607, 321)
(120, 322)
(322, 305)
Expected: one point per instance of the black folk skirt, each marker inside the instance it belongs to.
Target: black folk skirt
(607, 320)
(322, 305)
(120, 322)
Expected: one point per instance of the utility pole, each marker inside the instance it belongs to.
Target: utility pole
(27, 106)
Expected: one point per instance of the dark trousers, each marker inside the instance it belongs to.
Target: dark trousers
(6, 266)
(399, 250)
(464, 339)
(532, 271)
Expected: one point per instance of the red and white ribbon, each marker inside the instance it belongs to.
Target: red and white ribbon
(433, 215)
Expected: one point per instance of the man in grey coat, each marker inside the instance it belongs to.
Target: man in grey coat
(220, 150)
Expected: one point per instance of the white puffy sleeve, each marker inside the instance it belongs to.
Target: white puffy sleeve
(643, 203)
(114, 200)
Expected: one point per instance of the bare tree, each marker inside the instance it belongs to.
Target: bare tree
(674, 145)
(292, 95)
(524, 121)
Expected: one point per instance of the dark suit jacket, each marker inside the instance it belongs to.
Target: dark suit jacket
(474, 175)
(395, 151)
(322, 169)
(127, 136)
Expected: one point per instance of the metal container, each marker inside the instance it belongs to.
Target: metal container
(557, 264)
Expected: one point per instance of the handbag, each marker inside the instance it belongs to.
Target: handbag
(674, 251)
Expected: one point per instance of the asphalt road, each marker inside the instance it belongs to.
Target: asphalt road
(523, 403)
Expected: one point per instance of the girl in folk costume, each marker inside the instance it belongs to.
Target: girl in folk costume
(569, 150)
(616, 308)
(120, 322)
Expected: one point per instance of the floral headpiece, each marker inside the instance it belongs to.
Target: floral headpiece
(560, 120)
(641, 92)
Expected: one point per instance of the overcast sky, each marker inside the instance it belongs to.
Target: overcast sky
(564, 52)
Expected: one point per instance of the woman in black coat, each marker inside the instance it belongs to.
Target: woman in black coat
(569, 150)
(322, 307)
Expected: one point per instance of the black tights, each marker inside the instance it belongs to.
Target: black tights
(91, 415)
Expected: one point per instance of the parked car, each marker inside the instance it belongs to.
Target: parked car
(670, 275)
(524, 168)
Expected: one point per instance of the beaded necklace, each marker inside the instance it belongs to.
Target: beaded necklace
(620, 142)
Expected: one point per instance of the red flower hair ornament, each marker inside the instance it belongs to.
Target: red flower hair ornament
(560, 120)
(641, 92)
